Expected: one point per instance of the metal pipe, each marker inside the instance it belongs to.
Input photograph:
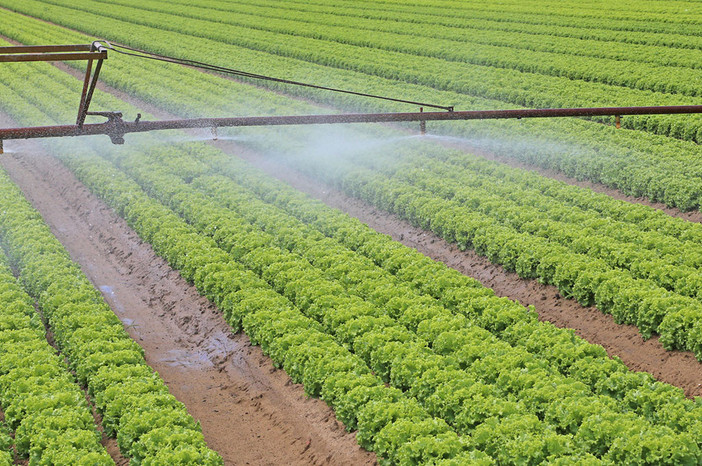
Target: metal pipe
(422, 123)
(53, 57)
(116, 128)
(45, 48)
(91, 90)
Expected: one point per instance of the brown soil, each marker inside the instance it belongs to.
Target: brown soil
(251, 413)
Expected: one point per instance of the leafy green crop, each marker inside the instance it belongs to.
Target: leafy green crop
(470, 377)
(95, 344)
(41, 402)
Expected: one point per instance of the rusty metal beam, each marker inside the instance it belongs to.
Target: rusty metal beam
(89, 96)
(45, 48)
(116, 128)
(29, 57)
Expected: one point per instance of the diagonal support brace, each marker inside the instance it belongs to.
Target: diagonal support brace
(89, 86)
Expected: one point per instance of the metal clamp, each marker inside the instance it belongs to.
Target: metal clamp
(115, 124)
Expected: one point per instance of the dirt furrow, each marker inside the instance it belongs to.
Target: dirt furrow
(250, 412)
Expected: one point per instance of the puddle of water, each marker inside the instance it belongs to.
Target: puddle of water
(184, 358)
(112, 298)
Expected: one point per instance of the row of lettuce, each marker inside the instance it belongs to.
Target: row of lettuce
(537, 236)
(151, 426)
(213, 25)
(468, 371)
(42, 405)
(637, 163)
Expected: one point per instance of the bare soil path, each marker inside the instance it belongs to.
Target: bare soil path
(251, 413)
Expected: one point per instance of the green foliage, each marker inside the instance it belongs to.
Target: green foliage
(40, 398)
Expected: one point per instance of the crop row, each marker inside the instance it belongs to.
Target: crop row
(512, 86)
(41, 402)
(636, 163)
(617, 71)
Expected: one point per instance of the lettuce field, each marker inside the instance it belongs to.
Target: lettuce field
(512, 292)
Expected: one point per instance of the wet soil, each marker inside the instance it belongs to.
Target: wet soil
(250, 412)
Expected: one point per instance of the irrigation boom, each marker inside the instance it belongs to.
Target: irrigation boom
(115, 127)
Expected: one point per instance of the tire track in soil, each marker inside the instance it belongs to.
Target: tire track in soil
(250, 412)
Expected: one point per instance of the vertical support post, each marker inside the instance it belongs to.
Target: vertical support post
(214, 133)
(422, 123)
(617, 121)
(2, 151)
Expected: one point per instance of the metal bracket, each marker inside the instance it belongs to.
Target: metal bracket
(115, 125)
